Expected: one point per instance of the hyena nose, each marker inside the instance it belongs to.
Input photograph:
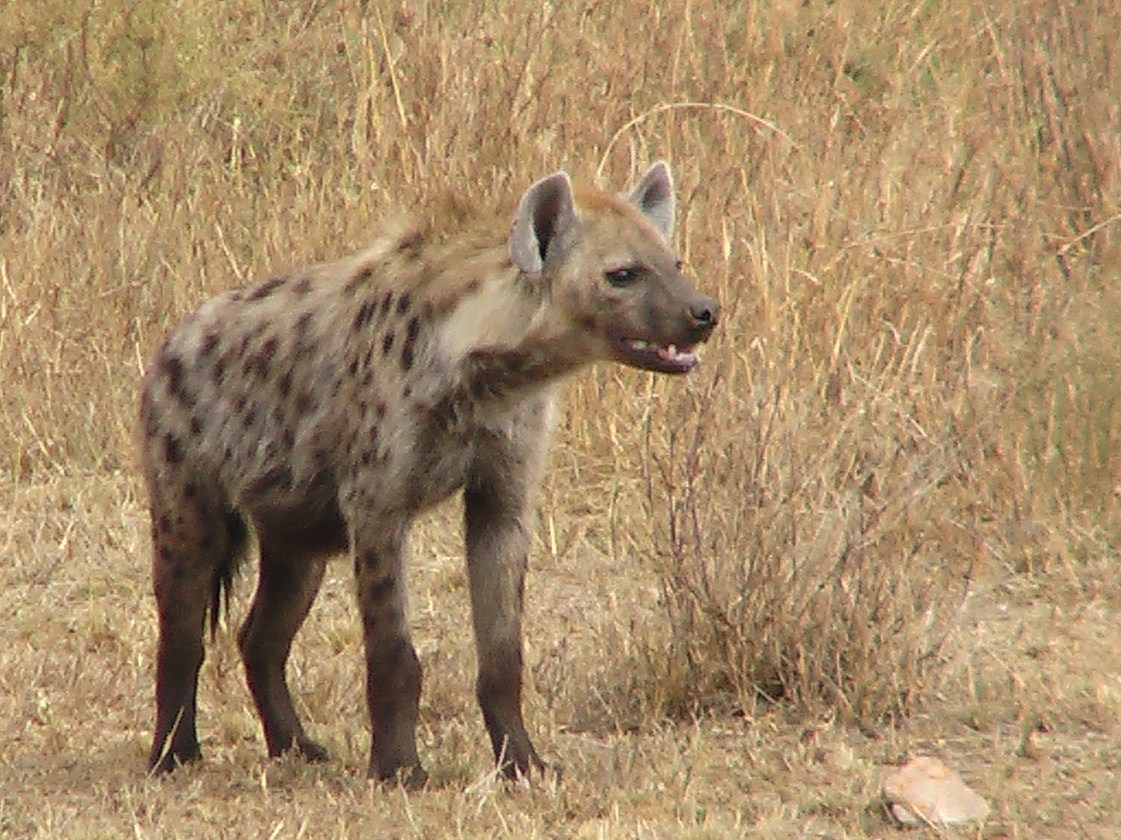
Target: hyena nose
(704, 313)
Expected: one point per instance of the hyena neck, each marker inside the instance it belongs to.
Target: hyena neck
(501, 373)
(504, 340)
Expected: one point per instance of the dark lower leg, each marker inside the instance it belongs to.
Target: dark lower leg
(178, 660)
(393, 693)
(499, 690)
(393, 673)
(285, 591)
(182, 591)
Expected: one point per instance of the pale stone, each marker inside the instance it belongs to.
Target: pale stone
(925, 790)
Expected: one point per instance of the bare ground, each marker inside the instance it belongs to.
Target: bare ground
(1027, 713)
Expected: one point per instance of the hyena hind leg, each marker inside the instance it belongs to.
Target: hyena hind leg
(196, 546)
(286, 588)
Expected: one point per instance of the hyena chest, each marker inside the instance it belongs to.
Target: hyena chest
(436, 461)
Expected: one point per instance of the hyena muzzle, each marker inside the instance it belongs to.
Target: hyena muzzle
(320, 411)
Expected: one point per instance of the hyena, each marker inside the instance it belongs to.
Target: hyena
(321, 411)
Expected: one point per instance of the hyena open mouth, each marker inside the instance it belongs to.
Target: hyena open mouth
(661, 358)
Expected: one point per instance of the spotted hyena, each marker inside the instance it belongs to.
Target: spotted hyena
(321, 411)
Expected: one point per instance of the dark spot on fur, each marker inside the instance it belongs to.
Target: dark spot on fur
(289, 439)
(473, 286)
(353, 366)
(302, 287)
(220, 365)
(379, 589)
(411, 243)
(172, 368)
(190, 490)
(386, 302)
(250, 417)
(303, 402)
(164, 525)
(172, 451)
(285, 383)
(365, 311)
(146, 416)
(239, 403)
(361, 276)
(407, 391)
(403, 303)
(209, 344)
(258, 363)
(196, 426)
(367, 457)
(387, 342)
(303, 321)
(379, 409)
(408, 350)
(265, 289)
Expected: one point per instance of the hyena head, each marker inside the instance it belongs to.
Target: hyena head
(612, 278)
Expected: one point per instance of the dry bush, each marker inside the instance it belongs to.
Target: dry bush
(914, 384)
(909, 213)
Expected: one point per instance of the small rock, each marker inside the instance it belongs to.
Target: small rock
(925, 790)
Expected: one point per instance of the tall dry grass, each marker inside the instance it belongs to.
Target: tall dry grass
(909, 212)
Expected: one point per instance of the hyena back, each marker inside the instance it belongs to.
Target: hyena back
(327, 408)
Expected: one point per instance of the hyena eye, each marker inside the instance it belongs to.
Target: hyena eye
(620, 277)
(680, 264)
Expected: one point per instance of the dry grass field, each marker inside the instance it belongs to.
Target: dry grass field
(881, 520)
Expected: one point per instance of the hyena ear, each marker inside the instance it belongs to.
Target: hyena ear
(654, 197)
(544, 214)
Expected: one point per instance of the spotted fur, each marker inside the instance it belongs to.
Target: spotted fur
(326, 408)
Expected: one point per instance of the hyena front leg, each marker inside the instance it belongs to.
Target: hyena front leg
(288, 583)
(499, 516)
(393, 673)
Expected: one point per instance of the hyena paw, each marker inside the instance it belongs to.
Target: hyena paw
(411, 777)
(311, 750)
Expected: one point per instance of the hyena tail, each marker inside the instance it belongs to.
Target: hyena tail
(236, 544)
